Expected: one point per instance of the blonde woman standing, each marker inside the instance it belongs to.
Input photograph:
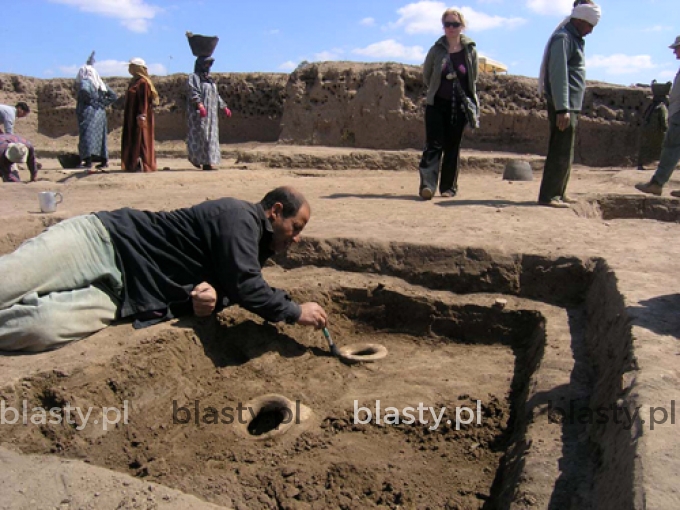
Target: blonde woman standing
(450, 72)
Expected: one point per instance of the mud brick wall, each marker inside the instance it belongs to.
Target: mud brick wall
(346, 104)
(256, 100)
(381, 106)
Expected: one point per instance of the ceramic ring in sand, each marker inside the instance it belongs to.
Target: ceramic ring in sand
(366, 353)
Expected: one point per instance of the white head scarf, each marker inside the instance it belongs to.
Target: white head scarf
(90, 73)
(587, 12)
(590, 13)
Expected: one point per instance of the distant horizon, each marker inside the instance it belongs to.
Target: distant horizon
(629, 46)
(632, 85)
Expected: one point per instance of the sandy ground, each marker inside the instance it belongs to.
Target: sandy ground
(378, 205)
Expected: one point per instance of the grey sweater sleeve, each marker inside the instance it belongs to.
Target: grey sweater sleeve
(558, 74)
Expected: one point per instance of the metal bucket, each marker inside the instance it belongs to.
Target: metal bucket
(69, 161)
(517, 170)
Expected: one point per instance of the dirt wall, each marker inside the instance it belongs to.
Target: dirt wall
(373, 106)
(617, 482)
(255, 98)
(380, 106)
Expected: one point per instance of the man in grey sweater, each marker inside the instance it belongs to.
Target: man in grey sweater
(563, 78)
(670, 154)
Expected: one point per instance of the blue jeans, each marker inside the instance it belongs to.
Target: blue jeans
(670, 154)
(60, 286)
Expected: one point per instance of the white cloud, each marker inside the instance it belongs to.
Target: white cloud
(480, 21)
(620, 63)
(289, 65)
(489, 1)
(114, 68)
(135, 15)
(391, 49)
(667, 74)
(367, 22)
(333, 54)
(425, 17)
(657, 28)
(69, 70)
(551, 7)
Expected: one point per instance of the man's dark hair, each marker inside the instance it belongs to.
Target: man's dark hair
(288, 197)
(23, 106)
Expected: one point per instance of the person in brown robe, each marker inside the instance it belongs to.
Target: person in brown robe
(137, 145)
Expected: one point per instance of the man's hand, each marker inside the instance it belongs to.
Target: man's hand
(202, 111)
(204, 299)
(312, 315)
(141, 120)
(563, 121)
(227, 111)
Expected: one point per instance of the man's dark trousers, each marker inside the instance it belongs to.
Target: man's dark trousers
(560, 156)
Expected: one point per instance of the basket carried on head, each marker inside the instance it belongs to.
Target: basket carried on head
(202, 45)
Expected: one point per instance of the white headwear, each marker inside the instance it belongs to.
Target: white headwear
(586, 12)
(90, 73)
(16, 152)
(138, 61)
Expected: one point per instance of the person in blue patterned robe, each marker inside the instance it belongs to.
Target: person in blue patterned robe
(93, 98)
(204, 101)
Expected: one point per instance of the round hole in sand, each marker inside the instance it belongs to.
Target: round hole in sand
(272, 415)
(363, 352)
(269, 419)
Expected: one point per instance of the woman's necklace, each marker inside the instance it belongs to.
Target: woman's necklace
(454, 47)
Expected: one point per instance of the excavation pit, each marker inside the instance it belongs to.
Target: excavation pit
(640, 207)
(485, 369)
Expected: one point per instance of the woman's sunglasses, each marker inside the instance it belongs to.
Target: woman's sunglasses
(452, 24)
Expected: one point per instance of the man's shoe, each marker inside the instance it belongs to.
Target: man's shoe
(675, 193)
(568, 200)
(555, 202)
(426, 194)
(449, 193)
(650, 187)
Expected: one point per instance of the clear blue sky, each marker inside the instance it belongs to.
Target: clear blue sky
(52, 38)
